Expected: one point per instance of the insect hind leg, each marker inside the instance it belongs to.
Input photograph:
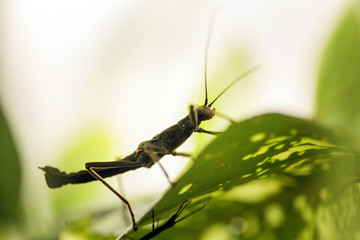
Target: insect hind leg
(91, 168)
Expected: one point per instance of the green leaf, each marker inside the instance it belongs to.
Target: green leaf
(287, 160)
(90, 144)
(10, 174)
(338, 93)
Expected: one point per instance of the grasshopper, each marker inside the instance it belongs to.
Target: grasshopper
(148, 152)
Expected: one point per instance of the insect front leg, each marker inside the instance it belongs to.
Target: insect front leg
(184, 154)
(193, 116)
(91, 167)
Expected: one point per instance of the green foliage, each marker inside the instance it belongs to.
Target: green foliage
(89, 145)
(338, 98)
(10, 174)
(291, 165)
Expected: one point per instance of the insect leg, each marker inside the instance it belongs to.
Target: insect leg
(174, 153)
(152, 150)
(121, 190)
(193, 116)
(184, 154)
(201, 130)
(124, 211)
(93, 166)
(166, 174)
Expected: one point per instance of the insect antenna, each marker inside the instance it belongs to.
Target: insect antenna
(242, 76)
(208, 38)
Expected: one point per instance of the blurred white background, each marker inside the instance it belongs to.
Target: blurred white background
(133, 67)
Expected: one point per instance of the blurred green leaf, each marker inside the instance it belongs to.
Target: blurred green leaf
(81, 229)
(338, 93)
(90, 144)
(10, 174)
(289, 159)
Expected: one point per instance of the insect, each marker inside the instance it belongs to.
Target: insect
(148, 152)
